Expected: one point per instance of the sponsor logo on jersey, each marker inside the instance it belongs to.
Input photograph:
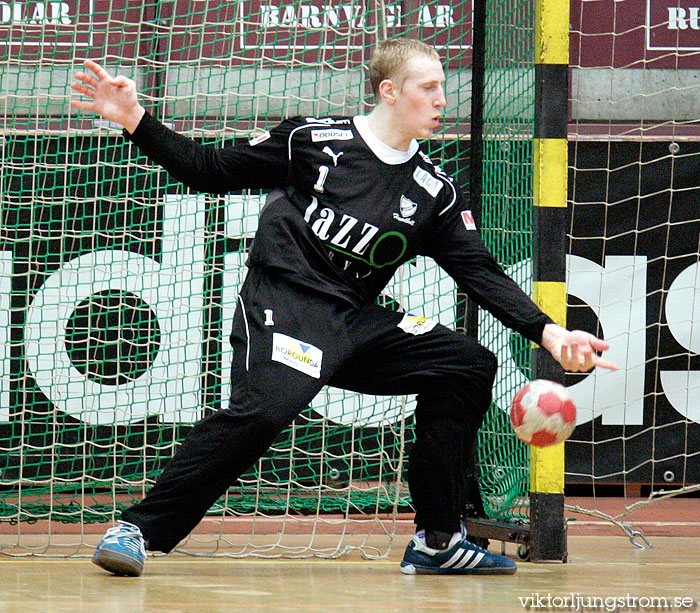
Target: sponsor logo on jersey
(413, 324)
(468, 220)
(328, 121)
(328, 151)
(256, 140)
(407, 208)
(318, 136)
(297, 355)
(354, 239)
(427, 181)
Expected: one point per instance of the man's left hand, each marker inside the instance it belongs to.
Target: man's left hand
(575, 350)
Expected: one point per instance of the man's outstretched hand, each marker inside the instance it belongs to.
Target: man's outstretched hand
(113, 98)
(575, 350)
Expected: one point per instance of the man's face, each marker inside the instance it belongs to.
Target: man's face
(421, 98)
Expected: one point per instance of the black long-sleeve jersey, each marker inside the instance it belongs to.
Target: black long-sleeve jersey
(349, 211)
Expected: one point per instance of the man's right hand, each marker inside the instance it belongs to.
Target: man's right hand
(113, 98)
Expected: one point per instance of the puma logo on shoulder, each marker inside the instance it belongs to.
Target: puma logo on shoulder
(333, 155)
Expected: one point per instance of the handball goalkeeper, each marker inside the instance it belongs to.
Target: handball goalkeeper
(350, 200)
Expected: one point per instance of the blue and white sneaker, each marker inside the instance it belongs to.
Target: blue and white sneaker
(461, 557)
(122, 551)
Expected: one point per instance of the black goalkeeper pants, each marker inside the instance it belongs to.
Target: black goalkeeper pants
(288, 342)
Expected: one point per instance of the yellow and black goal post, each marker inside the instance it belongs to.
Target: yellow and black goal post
(502, 139)
(550, 168)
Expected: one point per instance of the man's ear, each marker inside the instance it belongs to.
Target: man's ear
(387, 91)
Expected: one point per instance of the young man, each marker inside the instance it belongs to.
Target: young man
(352, 199)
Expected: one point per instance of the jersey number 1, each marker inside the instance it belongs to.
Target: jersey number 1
(322, 176)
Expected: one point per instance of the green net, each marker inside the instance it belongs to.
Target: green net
(119, 286)
(506, 229)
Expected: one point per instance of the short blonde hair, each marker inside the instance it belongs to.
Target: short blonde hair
(390, 58)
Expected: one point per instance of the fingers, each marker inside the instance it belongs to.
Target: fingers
(87, 79)
(83, 89)
(576, 351)
(88, 84)
(580, 356)
(599, 344)
(574, 358)
(120, 81)
(83, 105)
(598, 361)
(93, 81)
(100, 72)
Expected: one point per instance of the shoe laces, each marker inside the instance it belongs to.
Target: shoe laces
(131, 535)
(471, 545)
(124, 529)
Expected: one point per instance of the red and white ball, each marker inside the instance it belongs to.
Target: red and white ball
(542, 413)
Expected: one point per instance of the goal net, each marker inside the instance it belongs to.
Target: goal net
(633, 268)
(119, 286)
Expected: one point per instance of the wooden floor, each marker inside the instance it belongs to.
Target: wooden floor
(605, 567)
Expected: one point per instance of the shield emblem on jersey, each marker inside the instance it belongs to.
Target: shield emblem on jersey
(407, 207)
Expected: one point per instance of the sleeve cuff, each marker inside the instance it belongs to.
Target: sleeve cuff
(140, 129)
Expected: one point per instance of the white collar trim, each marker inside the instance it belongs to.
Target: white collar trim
(386, 154)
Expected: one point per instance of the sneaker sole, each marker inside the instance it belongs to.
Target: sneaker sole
(412, 569)
(117, 563)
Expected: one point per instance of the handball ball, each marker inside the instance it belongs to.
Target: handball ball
(542, 413)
